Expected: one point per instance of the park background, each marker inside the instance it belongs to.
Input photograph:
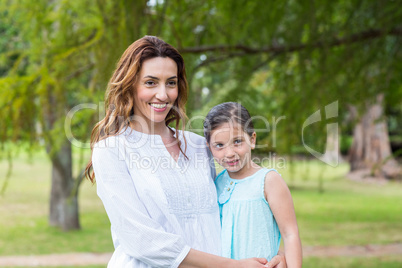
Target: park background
(336, 62)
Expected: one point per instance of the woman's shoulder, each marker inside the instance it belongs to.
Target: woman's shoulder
(112, 144)
(194, 139)
(110, 141)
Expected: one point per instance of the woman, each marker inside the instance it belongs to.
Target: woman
(155, 181)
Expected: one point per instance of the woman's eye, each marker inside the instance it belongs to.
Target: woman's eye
(171, 83)
(150, 83)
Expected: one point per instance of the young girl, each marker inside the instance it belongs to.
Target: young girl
(255, 203)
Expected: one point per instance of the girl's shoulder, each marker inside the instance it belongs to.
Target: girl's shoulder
(221, 178)
(268, 172)
(273, 181)
(272, 175)
(220, 175)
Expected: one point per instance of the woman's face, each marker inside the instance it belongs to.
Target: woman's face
(156, 89)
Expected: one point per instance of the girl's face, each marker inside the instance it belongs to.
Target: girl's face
(231, 147)
(156, 89)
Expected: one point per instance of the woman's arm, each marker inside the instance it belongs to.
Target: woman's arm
(280, 201)
(138, 235)
(198, 259)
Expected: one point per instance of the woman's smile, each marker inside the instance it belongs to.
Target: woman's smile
(156, 90)
(159, 107)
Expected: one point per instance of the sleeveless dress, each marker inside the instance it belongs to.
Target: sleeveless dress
(249, 228)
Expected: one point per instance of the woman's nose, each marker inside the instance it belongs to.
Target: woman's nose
(161, 94)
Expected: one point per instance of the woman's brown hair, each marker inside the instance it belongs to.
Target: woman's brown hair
(119, 98)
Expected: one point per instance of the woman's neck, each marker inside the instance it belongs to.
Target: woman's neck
(152, 128)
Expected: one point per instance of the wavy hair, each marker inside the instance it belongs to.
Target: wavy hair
(119, 98)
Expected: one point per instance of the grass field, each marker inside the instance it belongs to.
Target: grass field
(345, 213)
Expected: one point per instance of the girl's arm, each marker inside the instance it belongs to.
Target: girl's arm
(280, 201)
(198, 259)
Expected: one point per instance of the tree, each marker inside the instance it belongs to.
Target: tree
(313, 54)
(60, 64)
(287, 58)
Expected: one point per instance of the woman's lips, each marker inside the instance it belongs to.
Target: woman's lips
(159, 107)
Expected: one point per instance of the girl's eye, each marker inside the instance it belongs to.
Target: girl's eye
(219, 145)
(171, 83)
(238, 141)
(150, 83)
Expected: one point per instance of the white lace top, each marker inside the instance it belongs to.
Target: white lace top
(158, 208)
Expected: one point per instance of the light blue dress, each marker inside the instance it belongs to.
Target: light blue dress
(249, 228)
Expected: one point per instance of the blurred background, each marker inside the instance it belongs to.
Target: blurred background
(322, 79)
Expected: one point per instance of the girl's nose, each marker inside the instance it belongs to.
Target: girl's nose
(229, 152)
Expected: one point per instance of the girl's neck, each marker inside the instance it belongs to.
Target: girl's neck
(248, 170)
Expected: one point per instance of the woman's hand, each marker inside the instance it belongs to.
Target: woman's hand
(252, 263)
(196, 259)
(278, 261)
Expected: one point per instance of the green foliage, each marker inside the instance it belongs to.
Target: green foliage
(286, 58)
(311, 54)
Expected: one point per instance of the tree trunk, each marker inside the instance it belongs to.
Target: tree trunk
(63, 196)
(332, 151)
(371, 148)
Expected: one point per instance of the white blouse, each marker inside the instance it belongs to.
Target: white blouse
(158, 208)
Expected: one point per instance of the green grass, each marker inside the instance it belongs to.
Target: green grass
(89, 266)
(24, 213)
(350, 262)
(344, 213)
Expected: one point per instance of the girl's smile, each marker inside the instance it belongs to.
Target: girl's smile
(233, 163)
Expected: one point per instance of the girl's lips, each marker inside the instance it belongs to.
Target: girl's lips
(232, 163)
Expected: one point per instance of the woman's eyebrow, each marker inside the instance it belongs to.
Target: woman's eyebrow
(150, 76)
(156, 78)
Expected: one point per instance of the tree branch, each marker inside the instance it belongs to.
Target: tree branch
(354, 38)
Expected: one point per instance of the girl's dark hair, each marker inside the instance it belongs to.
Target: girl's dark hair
(227, 112)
